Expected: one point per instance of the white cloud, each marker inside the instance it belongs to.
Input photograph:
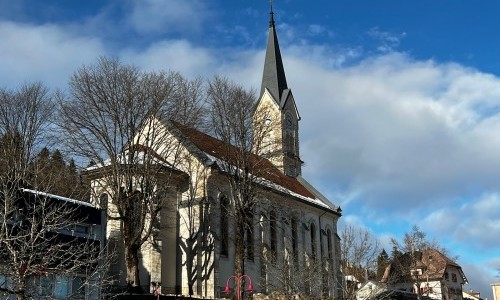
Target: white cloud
(316, 29)
(475, 222)
(175, 55)
(45, 53)
(168, 15)
(398, 130)
(480, 279)
(388, 41)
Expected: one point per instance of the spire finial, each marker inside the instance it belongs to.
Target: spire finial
(271, 20)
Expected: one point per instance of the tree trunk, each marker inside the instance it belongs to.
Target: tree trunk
(132, 264)
(239, 247)
(20, 295)
(239, 253)
(21, 287)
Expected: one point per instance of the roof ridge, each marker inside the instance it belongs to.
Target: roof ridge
(209, 145)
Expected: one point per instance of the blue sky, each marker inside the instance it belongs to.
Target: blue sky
(399, 100)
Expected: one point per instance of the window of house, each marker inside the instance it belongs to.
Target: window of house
(81, 229)
(446, 276)
(5, 282)
(45, 285)
(273, 233)
(454, 277)
(313, 240)
(224, 226)
(76, 286)
(61, 286)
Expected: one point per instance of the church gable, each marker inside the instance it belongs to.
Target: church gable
(267, 106)
(288, 105)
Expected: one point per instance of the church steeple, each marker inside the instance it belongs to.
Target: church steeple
(276, 112)
(273, 77)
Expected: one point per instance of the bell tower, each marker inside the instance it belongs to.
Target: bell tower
(276, 112)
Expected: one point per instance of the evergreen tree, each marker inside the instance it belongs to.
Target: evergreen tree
(395, 253)
(382, 263)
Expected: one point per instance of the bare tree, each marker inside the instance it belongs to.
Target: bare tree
(288, 281)
(32, 247)
(25, 119)
(116, 118)
(232, 119)
(359, 251)
(39, 244)
(408, 264)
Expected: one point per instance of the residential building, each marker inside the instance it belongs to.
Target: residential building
(471, 295)
(294, 227)
(43, 231)
(426, 273)
(370, 290)
(496, 291)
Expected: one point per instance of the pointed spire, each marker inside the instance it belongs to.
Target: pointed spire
(271, 20)
(273, 77)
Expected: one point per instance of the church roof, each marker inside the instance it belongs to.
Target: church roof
(275, 179)
(273, 77)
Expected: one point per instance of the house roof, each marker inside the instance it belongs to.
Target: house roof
(57, 197)
(84, 211)
(436, 263)
(432, 262)
(258, 166)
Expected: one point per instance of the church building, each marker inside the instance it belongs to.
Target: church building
(292, 245)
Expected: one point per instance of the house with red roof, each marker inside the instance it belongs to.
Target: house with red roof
(427, 273)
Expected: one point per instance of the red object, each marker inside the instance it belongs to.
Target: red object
(237, 283)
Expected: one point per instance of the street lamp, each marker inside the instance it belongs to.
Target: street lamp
(237, 283)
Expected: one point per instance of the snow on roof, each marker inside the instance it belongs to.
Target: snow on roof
(58, 197)
(216, 151)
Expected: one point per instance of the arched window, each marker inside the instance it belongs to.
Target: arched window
(224, 225)
(273, 233)
(295, 246)
(103, 201)
(329, 245)
(263, 269)
(313, 241)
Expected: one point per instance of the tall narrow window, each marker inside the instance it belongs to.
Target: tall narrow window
(273, 233)
(263, 249)
(249, 236)
(329, 241)
(224, 224)
(313, 241)
(295, 250)
(103, 201)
